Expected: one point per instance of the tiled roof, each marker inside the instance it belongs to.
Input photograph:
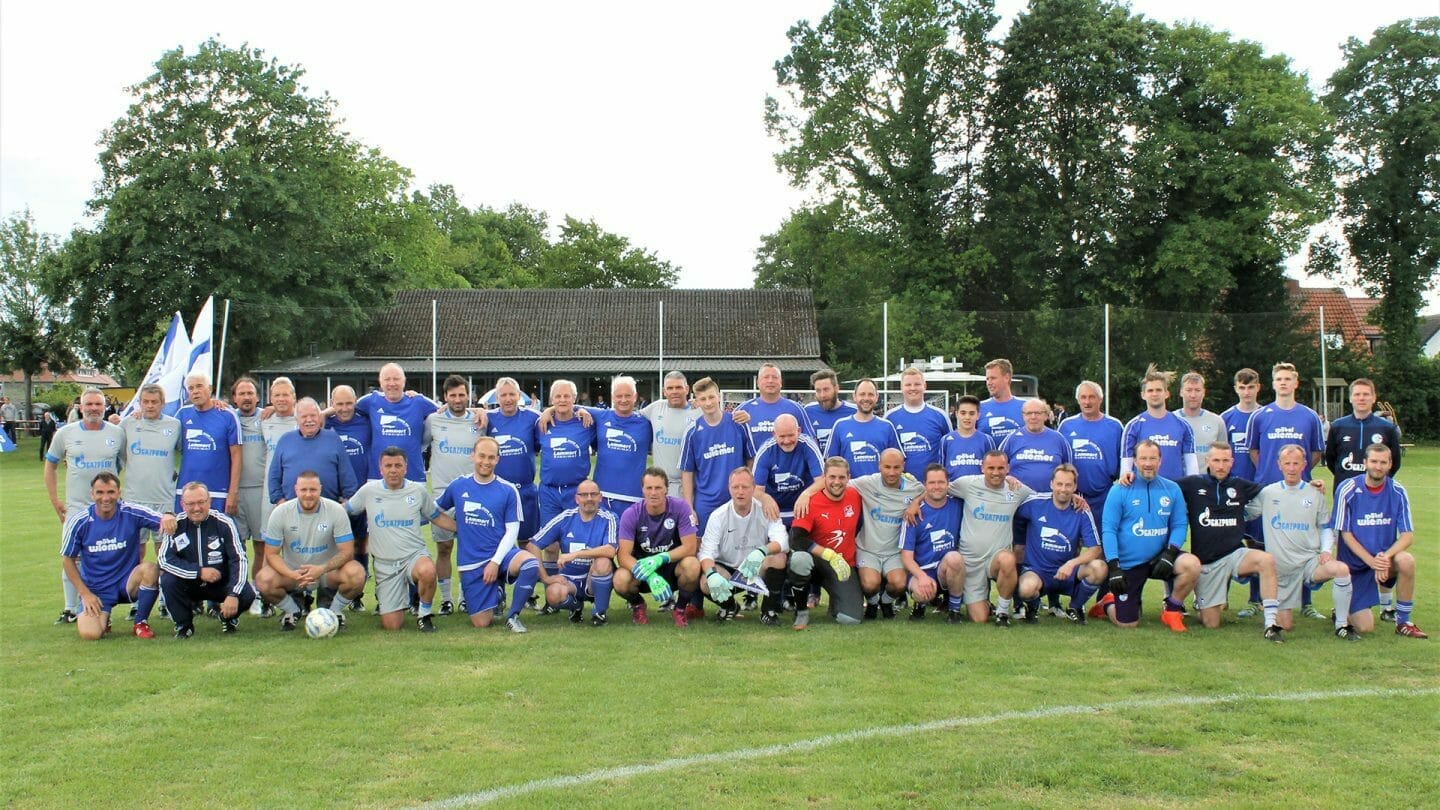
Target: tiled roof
(574, 324)
(346, 363)
(83, 376)
(1344, 315)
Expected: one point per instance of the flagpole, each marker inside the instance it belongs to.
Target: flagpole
(224, 330)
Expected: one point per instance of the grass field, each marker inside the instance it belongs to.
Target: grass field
(737, 715)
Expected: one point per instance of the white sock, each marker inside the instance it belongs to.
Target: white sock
(1002, 607)
(1341, 594)
(72, 596)
(445, 590)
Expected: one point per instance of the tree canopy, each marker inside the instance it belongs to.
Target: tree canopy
(33, 334)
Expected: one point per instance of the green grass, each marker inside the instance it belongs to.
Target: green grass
(368, 719)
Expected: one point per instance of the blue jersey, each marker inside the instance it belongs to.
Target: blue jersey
(824, 421)
(712, 452)
(920, 434)
(205, 451)
(784, 475)
(1034, 456)
(108, 549)
(396, 424)
(1141, 519)
(999, 419)
(519, 441)
(935, 533)
(1095, 452)
(565, 453)
(574, 533)
(1346, 442)
(322, 454)
(1377, 519)
(622, 453)
(861, 443)
(1273, 427)
(963, 455)
(483, 514)
(1052, 536)
(1172, 433)
(1237, 424)
(763, 415)
(354, 438)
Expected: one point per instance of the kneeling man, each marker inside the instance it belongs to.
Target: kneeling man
(740, 539)
(309, 546)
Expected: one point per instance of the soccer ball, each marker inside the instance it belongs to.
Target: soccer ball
(321, 623)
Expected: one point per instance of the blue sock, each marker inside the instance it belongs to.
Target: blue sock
(146, 603)
(1254, 590)
(1402, 611)
(1171, 604)
(1306, 598)
(954, 601)
(552, 568)
(602, 586)
(1083, 591)
(364, 560)
(524, 586)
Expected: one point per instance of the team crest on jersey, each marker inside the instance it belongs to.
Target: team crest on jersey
(167, 432)
(1376, 438)
(669, 523)
(1164, 500)
(214, 543)
(322, 527)
(181, 543)
(1307, 503)
(849, 511)
(1230, 492)
(411, 500)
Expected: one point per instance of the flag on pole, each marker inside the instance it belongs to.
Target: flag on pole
(163, 356)
(202, 340)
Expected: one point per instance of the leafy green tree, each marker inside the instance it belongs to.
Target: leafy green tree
(587, 256)
(227, 177)
(1386, 103)
(33, 336)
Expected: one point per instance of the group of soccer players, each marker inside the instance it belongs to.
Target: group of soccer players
(771, 507)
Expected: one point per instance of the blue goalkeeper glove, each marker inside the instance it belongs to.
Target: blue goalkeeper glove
(751, 567)
(644, 568)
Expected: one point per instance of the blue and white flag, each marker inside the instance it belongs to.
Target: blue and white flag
(175, 347)
(6, 446)
(201, 341)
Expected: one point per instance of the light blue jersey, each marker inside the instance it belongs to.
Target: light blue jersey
(861, 443)
(487, 519)
(1095, 452)
(622, 452)
(921, 430)
(963, 455)
(1000, 419)
(1034, 456)
(824, 421)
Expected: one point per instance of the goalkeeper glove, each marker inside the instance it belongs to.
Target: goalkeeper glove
(719, 586)
(644, 568)
(659, 588)
(1164, 565)
(751, 566)
(1116, 581)
(837, 562)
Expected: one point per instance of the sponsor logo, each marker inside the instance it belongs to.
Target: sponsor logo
(105, 544)
(1285, 433)
(979, 513)
(197, 439)
(617, 439)
(1373, 519)
(1034, 454)
(475, 514)
(1352, 465)
(880, 517)
(1138, 529)
(717, 450)
(445, 447)
(382, 522)
(1205, 519)
(914, 443)
(137, 450)
(392, 425)
(1284, 526)
(79, 462)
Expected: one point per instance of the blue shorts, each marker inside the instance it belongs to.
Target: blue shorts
(529, 511)
(553, 501)
(111, 594)
(1364, 591)
(1050, 586)
(932, 571)
(581, 583)
(480, 597)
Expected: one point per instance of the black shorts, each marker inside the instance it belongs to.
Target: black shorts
(667, 573)
(1127, 604)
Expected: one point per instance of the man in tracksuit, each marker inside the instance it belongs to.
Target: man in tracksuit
(204, 560)
(1143, 534)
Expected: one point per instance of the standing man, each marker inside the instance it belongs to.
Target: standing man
(102, 555)
(1167, 431)
(204, 561)
(623, 441)
(860, 439)
(396, 419)
(396, 507)
(354, 432)
(308, 547)
(826, 523)
(929, 549)
(88, 447)
(828, 408)
(588, 545)
(279, 422)
(1206, 426)
(514, 429)
(1035, 450)
(1143, 537)
(1060, 548)
(766, 408)
(1000, 414)
(986, 536)
(1372, 514)
(963, 448)
(1215, 506)
(1095, 440)
(670, 416)
(450, 434)
(920, 424)
(314, 450)
(1237, 425)
(565, 451)
(784, 466)
(878, 564)
(714, 446)
(8, 414)
(1298, 535)
(152, 442)
(741, 540)
(211, 453)
(250, 512)
(658, 542)
(48, 427)
(486, 526)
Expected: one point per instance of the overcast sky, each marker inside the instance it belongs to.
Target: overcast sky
(644, 116)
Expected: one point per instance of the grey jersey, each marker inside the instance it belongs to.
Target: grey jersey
(1294, 521)
(394, 517)
(884, 512)
(451, 440)
(252, 450)
(308, 538)
(668, 426)
(986, 527)
(151, 449)
(1208, 428)
(729, 538)
(86, 454)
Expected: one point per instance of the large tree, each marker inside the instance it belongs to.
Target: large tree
(227, 177)
(33, 336)
(1386, 102)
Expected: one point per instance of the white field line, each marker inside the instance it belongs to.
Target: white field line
(824, 741)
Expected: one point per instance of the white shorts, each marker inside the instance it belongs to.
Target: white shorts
(1214, 585)
(1292, 580)
(877, 562)
(977, 578)
(250, 514)
(392, 581)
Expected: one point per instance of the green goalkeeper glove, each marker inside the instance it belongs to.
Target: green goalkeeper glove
(659, 588)
(842, 568)
(644, 568)
(751, 567)
(719, 586)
